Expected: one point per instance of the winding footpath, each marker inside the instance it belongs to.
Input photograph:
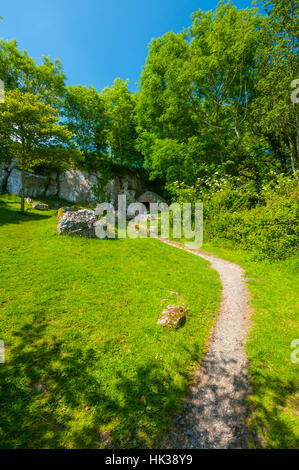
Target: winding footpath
(214, 411)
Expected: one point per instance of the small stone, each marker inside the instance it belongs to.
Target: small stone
(40, 207)
(173, 316)
(29, 200)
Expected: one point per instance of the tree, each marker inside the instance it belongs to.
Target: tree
(120, 108)
(19, 70)
(34, 132)
(275, 116)
(195, 88)
(84, 115)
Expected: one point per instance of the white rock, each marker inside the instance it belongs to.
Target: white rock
(79, 223)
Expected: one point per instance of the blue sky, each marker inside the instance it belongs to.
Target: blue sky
(96, 40)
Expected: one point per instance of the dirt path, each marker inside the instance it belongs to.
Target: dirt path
(214, 411)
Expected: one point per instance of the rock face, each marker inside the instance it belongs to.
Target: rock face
(14, 182)
(76, 186)
(34, 184)
(52, 186)
(71, 185)
(79, 223)
(173, 316)
(122, 185)
(150, 197)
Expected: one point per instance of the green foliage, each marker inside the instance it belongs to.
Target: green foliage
(194, 93)
(217, 95)
(270, 231)
(19, 70)
(263, 220)
(120, 107)
(33, 128)
(273, 113)
(34, 132)
(84, 115)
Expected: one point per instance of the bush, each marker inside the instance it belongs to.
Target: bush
(270, 231)
(260, 219)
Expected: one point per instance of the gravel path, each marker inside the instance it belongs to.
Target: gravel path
(214, 411)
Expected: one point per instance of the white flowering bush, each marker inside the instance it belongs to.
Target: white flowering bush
(262, 219)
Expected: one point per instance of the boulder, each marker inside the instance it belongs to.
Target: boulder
(173, 316)
(79, 223)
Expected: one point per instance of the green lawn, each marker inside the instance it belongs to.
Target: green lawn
(86, 364)
(274, 403)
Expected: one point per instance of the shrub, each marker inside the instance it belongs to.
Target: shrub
(263, 220)
(270, 231)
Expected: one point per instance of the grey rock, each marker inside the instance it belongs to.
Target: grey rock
(173, 316)
(40, 207)
(79, 223)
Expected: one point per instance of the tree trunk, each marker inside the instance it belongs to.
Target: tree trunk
(219, 142)
(22, 181)
(23, 190)
(293, 155)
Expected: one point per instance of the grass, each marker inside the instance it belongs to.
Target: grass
(274, 402)
(86, 365)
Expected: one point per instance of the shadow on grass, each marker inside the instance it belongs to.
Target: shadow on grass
(272, 397)
(12, 216)
(214, 403)
(45, 386)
